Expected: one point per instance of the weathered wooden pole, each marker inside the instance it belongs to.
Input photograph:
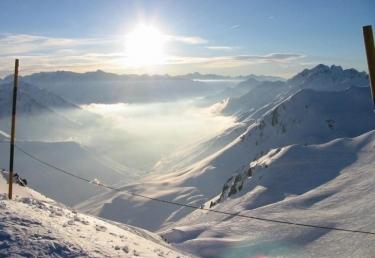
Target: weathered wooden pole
(370, 53)
(13, 132)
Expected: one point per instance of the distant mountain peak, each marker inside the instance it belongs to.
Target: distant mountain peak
(329, 78)
(325, 68)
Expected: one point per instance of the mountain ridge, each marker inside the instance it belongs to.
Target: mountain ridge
(319, 122)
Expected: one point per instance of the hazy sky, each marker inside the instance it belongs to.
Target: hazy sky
(276, 37)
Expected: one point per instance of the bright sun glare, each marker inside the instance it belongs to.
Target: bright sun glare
(145, 46)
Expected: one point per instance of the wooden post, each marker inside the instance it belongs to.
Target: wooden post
(13, 132)
(370, 53)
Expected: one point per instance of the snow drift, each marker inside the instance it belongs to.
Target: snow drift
(33, 225)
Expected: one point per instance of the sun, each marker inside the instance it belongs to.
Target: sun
(145, 46)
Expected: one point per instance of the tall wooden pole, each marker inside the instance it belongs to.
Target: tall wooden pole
(13, 132)
(370, 53)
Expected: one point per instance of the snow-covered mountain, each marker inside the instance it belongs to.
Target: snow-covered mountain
(320, 78)
(330, 185)
(67, 155)
(40, 113)
(231, 92)
(50, 128)
(323, 77)
(260, 99)
(301, 151)
(251, 99)
(31, 99)
(307, 117)
(33, 225)
(258, 96)
(43, 118)
(102, 87)
(199, 76)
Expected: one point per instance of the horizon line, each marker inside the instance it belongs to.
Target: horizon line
(177, 75)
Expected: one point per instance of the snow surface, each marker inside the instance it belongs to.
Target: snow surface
(304, 152)
(261, 95)
(32, 225)
(61, 187)
(307, 117)
(329, 184)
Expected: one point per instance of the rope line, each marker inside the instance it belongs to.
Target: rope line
(194, 207)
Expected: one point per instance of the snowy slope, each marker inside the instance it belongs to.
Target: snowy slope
(45, 125)
(31, 99)
(260, 99)
(308, 117)
(194, 153)
(67, 155)
(40, 114)
(35, 226)
(261, 95)
(328, 185)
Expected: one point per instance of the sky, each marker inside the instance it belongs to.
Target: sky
(279, 37)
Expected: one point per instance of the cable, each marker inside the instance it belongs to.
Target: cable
(192, 206)
(51, 166)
